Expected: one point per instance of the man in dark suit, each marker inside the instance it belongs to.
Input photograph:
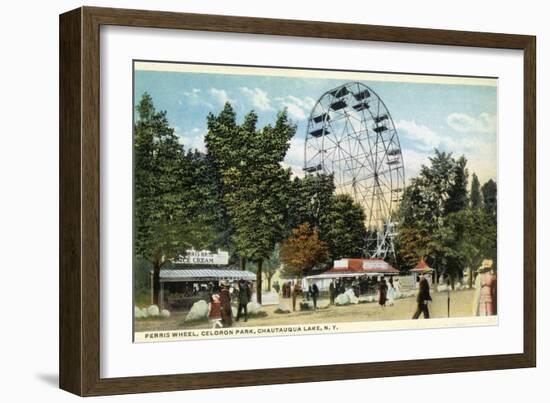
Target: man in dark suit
(314, 293)
(332, 292)
(422, 298)
(244, 298)
(225, 301)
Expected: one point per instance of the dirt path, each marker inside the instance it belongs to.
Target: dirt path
(461, 305)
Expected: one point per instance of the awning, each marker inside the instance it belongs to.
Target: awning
(205, 274)
(422, 267)
(346, 274)
(358, 267)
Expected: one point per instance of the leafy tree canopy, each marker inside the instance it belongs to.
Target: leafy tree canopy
(255, 186)
(343, 228)
(167, 214)
(303, 250)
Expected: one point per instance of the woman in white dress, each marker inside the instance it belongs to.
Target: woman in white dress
(391, 293)
(397, 288)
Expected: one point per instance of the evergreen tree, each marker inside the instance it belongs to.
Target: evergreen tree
(439, 190)
(489, 191)
(475, 193)
(457, 193)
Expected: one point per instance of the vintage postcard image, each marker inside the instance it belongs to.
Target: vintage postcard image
(276, 201)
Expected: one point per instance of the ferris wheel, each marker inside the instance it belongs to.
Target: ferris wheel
(351, 135)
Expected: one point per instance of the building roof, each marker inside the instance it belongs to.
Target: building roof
(422, 267)
(357, 267)
(206, 273)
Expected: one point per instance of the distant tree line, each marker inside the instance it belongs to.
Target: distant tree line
(440, 219)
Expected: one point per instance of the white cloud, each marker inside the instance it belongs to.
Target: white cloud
(425, 137)
(413, 161)
(194, 97)
(192, 139)
(294, 158)
(221, 96)
(259, 98)
(295, 153)
(464, 123)
(296, 170)
(194, 93)
(298, 108)
(480, 152)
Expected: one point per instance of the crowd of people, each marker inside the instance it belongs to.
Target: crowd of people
(220, 312)
(387, 290)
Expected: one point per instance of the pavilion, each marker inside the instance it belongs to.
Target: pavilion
(189, 278)
(349, 268)
(422, 268)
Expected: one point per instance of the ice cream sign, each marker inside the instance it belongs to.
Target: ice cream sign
(193, 256)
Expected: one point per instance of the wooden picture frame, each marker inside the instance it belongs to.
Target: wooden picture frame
(79, 280)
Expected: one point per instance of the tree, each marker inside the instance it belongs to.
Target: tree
(475, 238)
(457, 193)
(210, 208)
(439, 190)
(489, 191)
(303, 250)
(256, 188)
(475, 193)
(343, 228)
(269, 267)
(311, 199)
(436, 182)
(166, 219)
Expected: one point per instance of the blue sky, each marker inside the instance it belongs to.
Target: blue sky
(455, 117)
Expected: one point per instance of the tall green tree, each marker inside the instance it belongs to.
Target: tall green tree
(489, 191)
(311, 199)
(457, 193)
(439, 191)
(474, 237)
(165, 213)
(343, 228)
(208, 194)
(475, 193)
(256, 188)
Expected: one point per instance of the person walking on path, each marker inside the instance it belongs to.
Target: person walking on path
(486, 292)
(276, 287)
(214, 308)
(295, 291)
(314, 292)
(243, 298)
(422, 298)
(332, 292)
(382, 292)
(397, 288)
(391, 293)
(225, 301)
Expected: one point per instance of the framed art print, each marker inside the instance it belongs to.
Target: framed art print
(262, 189)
